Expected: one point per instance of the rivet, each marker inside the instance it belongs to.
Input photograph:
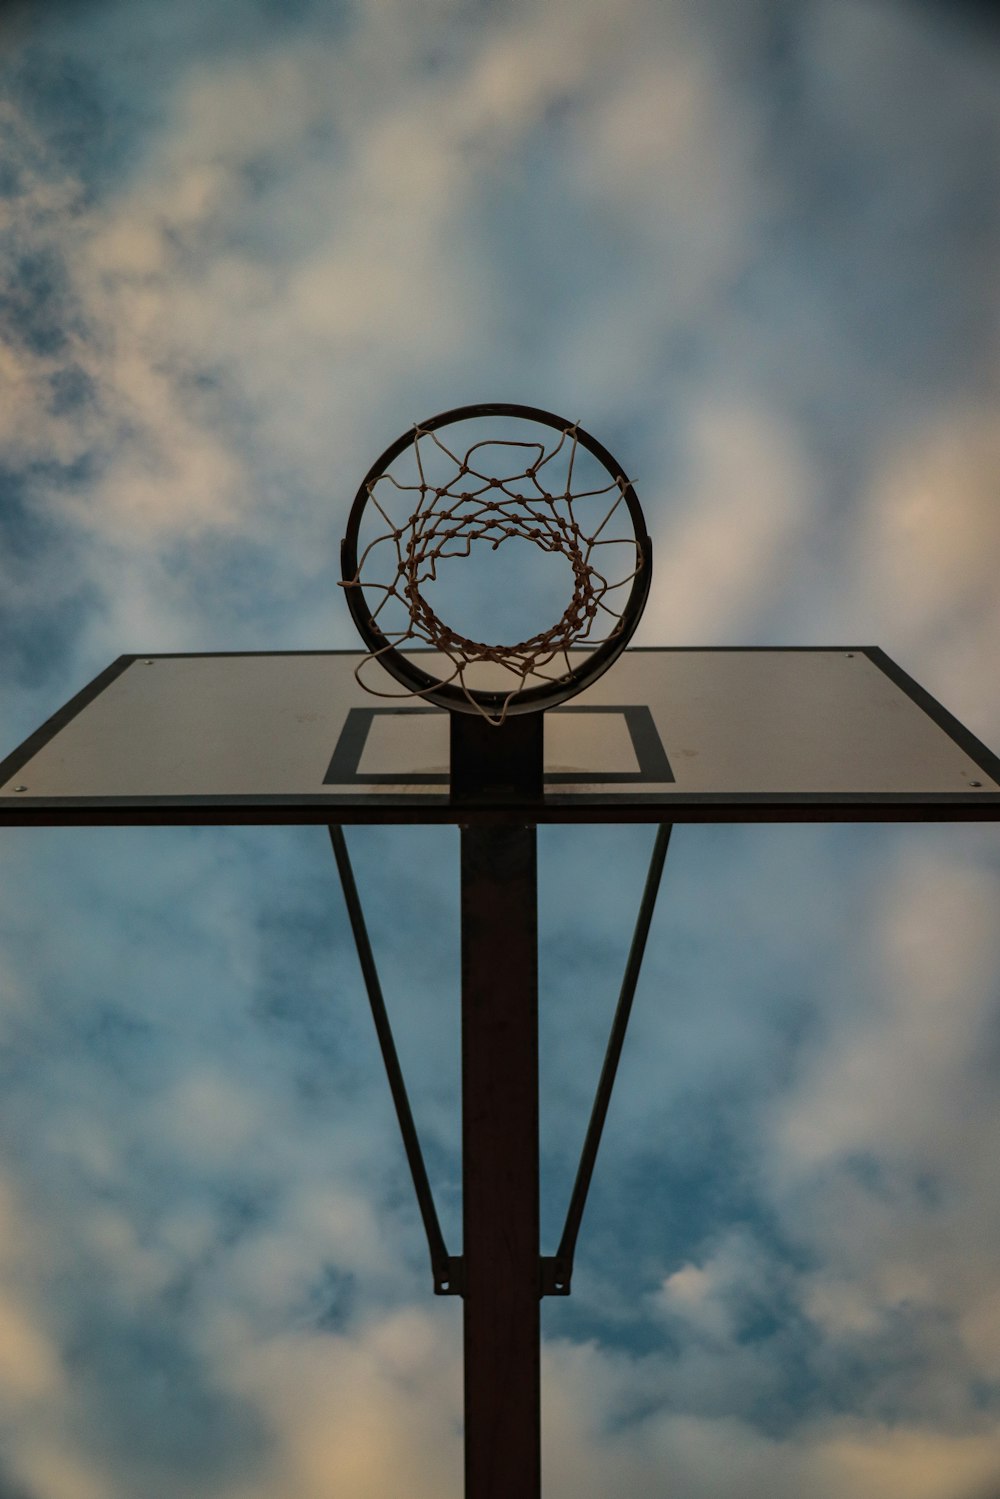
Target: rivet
(20, 788)
(148, 661)
(975, 783)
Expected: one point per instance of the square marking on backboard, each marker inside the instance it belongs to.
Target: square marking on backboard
(582, 745)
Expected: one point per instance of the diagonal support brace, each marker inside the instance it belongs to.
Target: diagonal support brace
(557, 1269)
(446, 1269)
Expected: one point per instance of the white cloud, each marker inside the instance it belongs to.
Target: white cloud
(928, 552)
(589, 1453)
(273, 1272)
(208, 1116)
(980, 1329)
(57, 1471)
(29, 1364)
(735, 531)
(900, 1074)
(909, 1463)
(881, 1156)
(711, 1297)
(378, 1413)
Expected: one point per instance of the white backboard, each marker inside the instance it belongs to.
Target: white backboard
(666, 735)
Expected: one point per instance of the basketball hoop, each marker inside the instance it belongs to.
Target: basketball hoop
(427, 500)
(688, 734)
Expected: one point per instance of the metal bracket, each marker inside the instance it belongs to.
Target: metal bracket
(449, 1278)
(553, 1277)
(556, 1275)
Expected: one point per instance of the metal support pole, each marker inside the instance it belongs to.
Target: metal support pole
(502, 1281)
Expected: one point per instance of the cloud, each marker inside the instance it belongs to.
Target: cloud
(900, 1077)
(666, 1452)
(714, 1297)
(735, 530)
(931, 537)
(905, 1462)
(29, 1366)
(379, 1411)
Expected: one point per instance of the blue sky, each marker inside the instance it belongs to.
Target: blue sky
(753, 248)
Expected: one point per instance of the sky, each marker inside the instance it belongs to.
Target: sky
(752, 247)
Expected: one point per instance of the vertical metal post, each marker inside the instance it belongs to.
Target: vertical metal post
(500, 1163)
